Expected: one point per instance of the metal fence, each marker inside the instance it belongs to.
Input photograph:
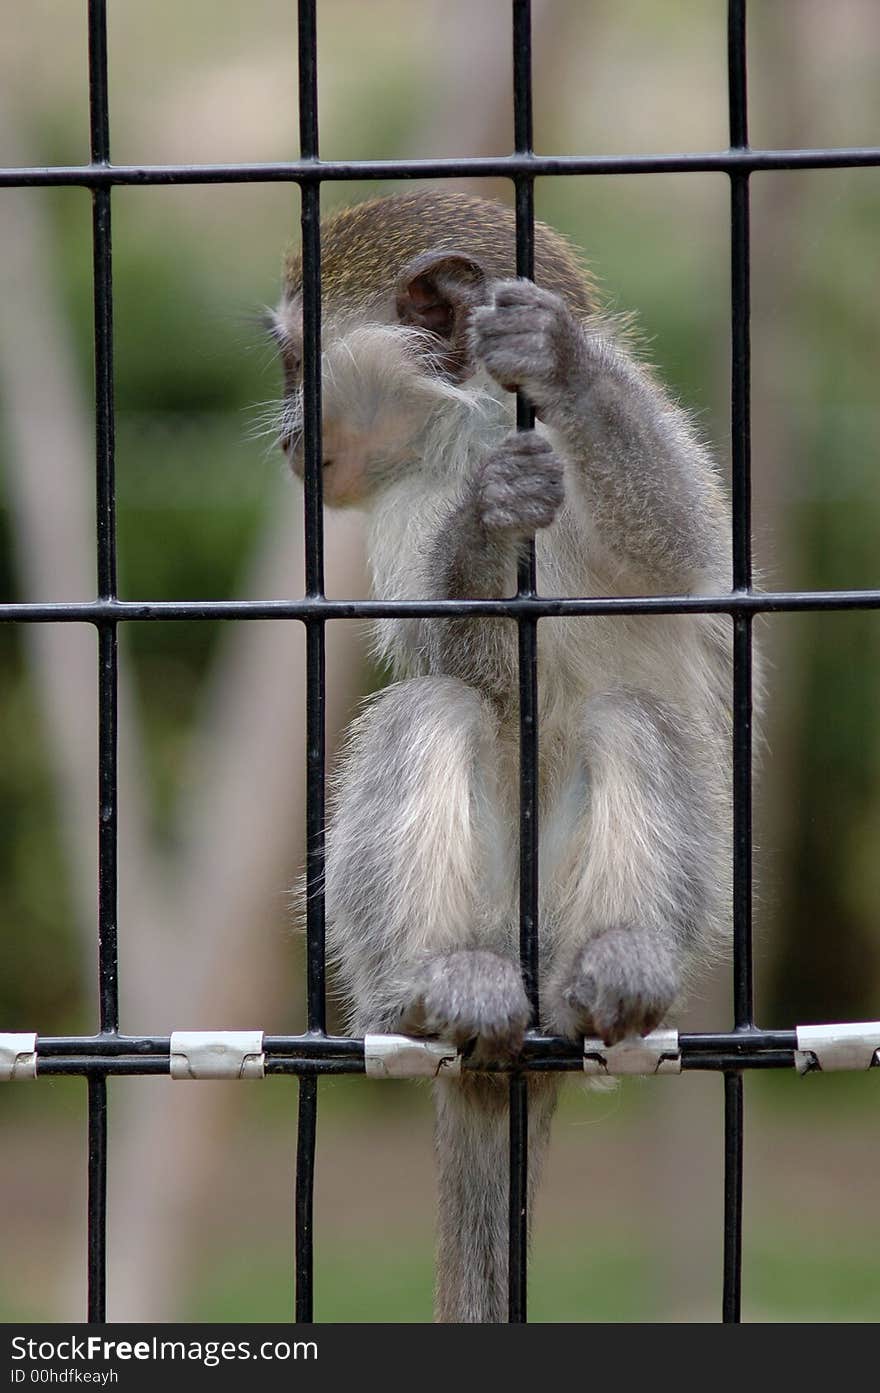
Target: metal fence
(308, 1056)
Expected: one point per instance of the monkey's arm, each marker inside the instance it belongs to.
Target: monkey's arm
(653, 505)
(518, 488)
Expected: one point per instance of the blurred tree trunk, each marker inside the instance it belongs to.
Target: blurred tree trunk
(199, 945)
(473, 118)
(50, 484)
(818, 787)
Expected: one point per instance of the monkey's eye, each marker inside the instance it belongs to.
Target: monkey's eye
(288, 349)
(291, 366)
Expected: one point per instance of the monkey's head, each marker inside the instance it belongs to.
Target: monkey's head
(400, 278)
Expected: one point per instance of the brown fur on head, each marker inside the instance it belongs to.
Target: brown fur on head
(365, 248)
(400, 277)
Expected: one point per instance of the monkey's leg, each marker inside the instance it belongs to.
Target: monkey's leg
(421, 903)
(472, 1141)
(417, 870)
(639, 881)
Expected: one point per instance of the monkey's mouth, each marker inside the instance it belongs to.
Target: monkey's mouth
(297, 462)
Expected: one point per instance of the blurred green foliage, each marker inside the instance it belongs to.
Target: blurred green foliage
(38, 959)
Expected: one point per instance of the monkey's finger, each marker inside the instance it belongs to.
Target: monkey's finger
(528, 495)
(624, 1019)
(526, 293)
(528, 339)
(515, 369)
(521, 519)
(499, 324)
(525, 474)
(542, 466)
(526, 442)
(521, 509)
(531, 353)
(528, 313)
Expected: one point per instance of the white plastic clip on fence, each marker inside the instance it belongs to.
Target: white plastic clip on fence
(852, 1045)
(18, 1057)
(657, 1053)
(220, 1054)
(401, 1057)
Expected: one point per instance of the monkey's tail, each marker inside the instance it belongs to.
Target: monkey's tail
(472, 1144)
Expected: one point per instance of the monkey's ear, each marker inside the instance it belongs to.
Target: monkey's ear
(437, 291)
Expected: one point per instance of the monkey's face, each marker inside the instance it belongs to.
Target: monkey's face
(389, 366)
(378, 389)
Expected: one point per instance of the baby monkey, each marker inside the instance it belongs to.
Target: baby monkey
(426, 336)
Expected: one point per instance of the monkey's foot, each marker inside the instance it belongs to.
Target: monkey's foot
(473, 999)
(624, 983)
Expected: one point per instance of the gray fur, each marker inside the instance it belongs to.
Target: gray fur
(622, 983)
(385, 915)
(475, 999)
(651, 492)
(517, 488)
(472, 1146)
(634, 726)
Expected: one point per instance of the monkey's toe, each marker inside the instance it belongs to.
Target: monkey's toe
(475, 1000)
(625, 981)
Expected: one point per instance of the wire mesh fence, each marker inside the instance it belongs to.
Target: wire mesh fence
(203, 1055)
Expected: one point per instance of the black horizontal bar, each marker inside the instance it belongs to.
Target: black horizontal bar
(327, 1054)
(541, 606)
(134, 1066)
(310, 1046)
(304, 1068)
(106, 1047)
(101, 1065)
(474, 167)
(737, 1042)
(724, 1063)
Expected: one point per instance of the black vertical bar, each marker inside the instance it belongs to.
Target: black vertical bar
(528, 708)
(742, 655)
(97, 1200)
(315, 651)
(108, 963)
(528, 636)
(518, 1218)
(105, 517)
(742, 822)
(314, 544)
(733, 1187)
(106, 525)
(305, 1191)
(742, 545)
